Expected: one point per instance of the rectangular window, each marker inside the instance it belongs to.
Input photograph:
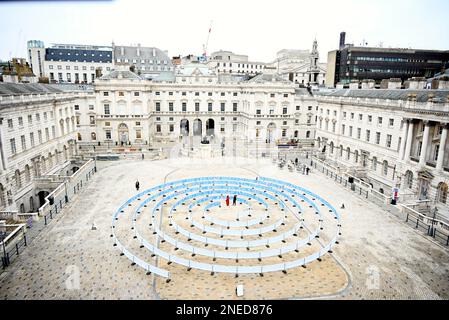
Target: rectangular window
(158, 128)
(368, 133)
(10, 124)
(20, 121)
(359, 133)
(209, 106)
(379, 120)
(350, 131)
(197, 106)
(39, 136)
(138, 134)
(377, 137)
(158, 107)
(171, 128)
(32, 139)
(13, 146)
(92, 120)
(234, 107)
(391, 122)
(53, 131)
(389, 138)
(24, 145)
(184, 106)
(106, 109)
(108, 134)
(284, 110)
(77, 107)
(222, 107)
(170, 106)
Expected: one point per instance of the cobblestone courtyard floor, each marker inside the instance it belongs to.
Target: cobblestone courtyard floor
(378, 256)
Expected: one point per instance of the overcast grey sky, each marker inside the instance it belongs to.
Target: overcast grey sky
(258, 28)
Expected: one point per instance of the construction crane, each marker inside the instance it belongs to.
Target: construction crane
(204, 56)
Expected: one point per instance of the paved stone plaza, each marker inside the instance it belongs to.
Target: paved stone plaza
(378, 256)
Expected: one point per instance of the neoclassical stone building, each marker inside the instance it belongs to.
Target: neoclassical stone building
(37, 137)
(195, 102)
(389, 138)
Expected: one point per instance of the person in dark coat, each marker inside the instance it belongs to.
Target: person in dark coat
(227, 201)
(234, 200)
(307, 170)
(137, 185)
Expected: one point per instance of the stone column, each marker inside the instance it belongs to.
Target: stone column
(403, 140)
(408, 145)
(425, 142)
(441, 150)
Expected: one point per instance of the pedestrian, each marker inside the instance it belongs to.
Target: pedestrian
(234, 200)
(143, 156)
(227, 201)
(304, 169)
(137, 185)
(307, 170)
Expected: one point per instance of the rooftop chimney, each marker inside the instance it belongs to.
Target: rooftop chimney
(342, 39)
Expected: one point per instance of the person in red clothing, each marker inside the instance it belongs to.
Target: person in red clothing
(227, 201)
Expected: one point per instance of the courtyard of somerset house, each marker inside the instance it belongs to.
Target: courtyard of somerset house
(245, 193)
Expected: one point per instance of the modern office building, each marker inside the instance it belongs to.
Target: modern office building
(358, 63)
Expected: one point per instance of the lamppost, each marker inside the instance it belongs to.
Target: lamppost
(432, 228)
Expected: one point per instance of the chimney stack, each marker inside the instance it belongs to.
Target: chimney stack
(342, 39)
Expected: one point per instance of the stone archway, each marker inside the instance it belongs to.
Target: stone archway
(197, 127)
(442, 191)
(271, 130)
(210, 127)
(184, 126)
(123, 133)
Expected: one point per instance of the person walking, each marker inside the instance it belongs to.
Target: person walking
(307, 170)
(227, 201)
(137, 185)
(143, 156)
(234, 200)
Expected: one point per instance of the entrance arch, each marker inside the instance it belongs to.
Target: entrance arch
(197, 127)
(123, 133)
(184, 126)
(210, 127)
(42, 195)
(442, 192)
(271, 128)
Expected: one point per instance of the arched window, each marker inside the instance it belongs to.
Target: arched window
(2, 196)
(356, 156)
(442, 192)
(31, 204)
(18, 179)
(341, 151)
(385, 168)
(93, 136)
(348, 153)
(27, 173)
(409, 179)
(22, 208)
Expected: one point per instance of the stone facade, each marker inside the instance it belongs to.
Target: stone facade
(37, 135)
